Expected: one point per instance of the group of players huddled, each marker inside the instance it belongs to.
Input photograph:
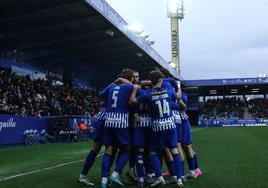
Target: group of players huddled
(143, 123)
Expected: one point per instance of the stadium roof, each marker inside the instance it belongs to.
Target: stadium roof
(85, 37)
(232, 86)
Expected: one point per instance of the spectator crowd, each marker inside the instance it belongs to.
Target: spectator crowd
(20, 95)
(258, 108)
(234, 108)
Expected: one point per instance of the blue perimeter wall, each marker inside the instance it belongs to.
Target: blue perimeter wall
(12, 127)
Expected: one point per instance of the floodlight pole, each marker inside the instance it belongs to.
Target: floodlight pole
(175, 46)
(175, 11)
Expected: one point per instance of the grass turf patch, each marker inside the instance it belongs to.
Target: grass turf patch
(228, 157)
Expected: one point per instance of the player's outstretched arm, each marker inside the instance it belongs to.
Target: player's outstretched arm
(122, 81)
(104, 92)
(182, 104)
(179, 94)
(133, 99)
(146, 83)
(173, 82)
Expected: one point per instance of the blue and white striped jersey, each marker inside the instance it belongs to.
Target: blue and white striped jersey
(184, 98)
(170, 84)
(100, 115)
(184, 116)
(177, 116)
(117, 105)
(145, 120)
(159, 100)
(116, 120)
(143, 111)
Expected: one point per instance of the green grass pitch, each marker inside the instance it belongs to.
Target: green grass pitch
(228, 157)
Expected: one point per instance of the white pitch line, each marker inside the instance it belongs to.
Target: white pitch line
(43, 169)
(56, 166)
(195, 130)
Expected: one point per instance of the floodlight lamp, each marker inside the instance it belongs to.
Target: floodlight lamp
(148, 38)
(175, 9)
(110, 32)
(262, 75)
(151, 42)
(173, 65)
(136, 28)
(144, 35)
(139, 54)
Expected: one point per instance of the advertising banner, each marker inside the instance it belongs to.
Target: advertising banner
(12, 127)
(204, 122)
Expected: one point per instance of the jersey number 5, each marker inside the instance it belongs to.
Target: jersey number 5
(114, 97)
(163, 107)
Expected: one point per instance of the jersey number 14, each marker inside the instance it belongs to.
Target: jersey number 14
(163, 107)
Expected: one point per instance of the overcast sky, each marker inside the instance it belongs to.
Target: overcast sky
(218, 38)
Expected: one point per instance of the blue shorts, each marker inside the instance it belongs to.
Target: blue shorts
(179, 132)
(115, 136)
(186, 133)
(162, 139)
(99, 126)
(131, 129)
(141, 136)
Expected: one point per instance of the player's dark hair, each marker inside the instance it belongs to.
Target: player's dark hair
(155, 75)
(127, 74)
(165, 72)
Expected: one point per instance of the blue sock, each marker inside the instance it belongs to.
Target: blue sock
(140, 164)
(149, 168)
(132, 160)
(121, 161)
(177, 164)
(190, 163)
(161, 159)
(148, 162)
(156, 164)
(195, 162)
(182, 168)
(89, 161)
(171, 168)
(114, 157)
(115, 154)
(105, 166)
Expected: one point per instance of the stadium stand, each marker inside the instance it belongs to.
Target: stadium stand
(231, 102)
(19, 95)
(88, 39)
(235, 108)
(79, 42)
(228, 107)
